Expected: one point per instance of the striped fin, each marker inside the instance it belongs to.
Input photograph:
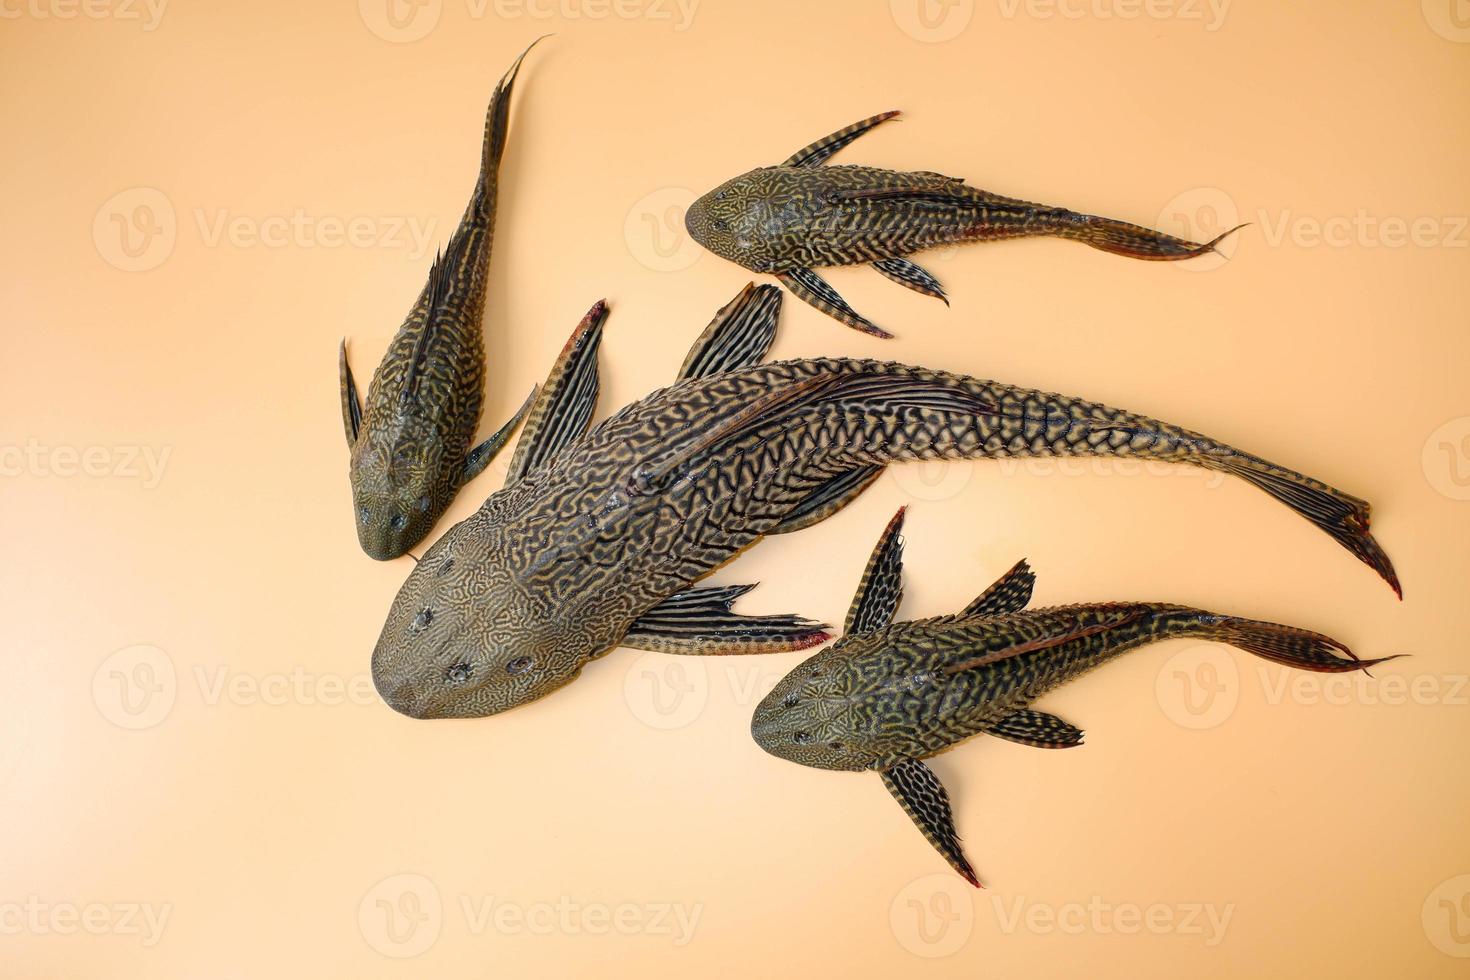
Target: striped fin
(478, 458)
(829, 497)
(906, 273)
(880, 590)
(563, 410)
(813, 289)
(1010, 593)
(435, 294)
(699, 621)
(740, 334)
(923, 798)
(497, 124)
(1037, 728)
(816, 154)
(351, 404)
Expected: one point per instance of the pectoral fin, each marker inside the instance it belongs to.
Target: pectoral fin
(479, 457)
(699, 621)
(906, 273)
(828, 498)
(813, 289)
(923, 798)
(1039, 729)
(816, 154)
(1010, 593)
(351, 406)
(563, 410)
(739, 335)
(881, 588)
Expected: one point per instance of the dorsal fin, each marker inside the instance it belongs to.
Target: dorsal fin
(740, 334)
(816, 154)
(1010, 593)
(436, 291)
(564, 407)
(880, 589)
(1040, 643)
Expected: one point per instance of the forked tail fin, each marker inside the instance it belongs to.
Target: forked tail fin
(1341, 515)
(1287, 644)
(1134, 241)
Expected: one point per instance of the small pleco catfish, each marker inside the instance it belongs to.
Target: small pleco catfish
(601, 531)
(799, 215)
(411, 442)
(890, 694)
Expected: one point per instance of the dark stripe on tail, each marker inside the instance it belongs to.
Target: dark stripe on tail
(1134, 241)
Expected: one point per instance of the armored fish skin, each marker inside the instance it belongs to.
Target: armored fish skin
(889, 695)
(553, 570)
(790, 219)
(411, 442)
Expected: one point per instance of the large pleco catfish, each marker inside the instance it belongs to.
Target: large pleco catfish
(600, 531)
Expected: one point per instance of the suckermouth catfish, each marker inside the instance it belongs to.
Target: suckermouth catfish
(411, 443)
(789, 219)
(889, 695)
(600, 531)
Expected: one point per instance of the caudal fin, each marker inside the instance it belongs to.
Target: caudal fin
(1289, 645)
(1134, 241)
(1341, 515)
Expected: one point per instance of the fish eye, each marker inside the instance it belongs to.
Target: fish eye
(424, 504)
(458, 674)
(518, 666)
(720, 224)
(790, 700)
(835, 746)
(720, 195)
(398, 522)
(802, 738)
(363, 515)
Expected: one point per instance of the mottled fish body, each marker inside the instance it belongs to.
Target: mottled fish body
(801, 215)
(411, 441)
(891, 694)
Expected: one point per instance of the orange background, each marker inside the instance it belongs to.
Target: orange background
(186, 725)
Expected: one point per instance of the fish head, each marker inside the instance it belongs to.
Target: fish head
(400, 489)
(807, 717)
(736, 221)
(466, 638)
